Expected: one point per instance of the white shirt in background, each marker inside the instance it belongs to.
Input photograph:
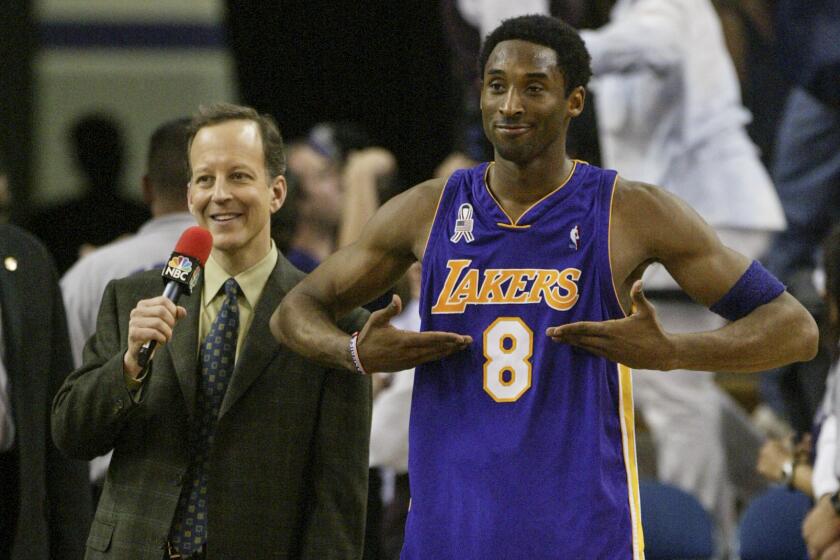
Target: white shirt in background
(392, 407)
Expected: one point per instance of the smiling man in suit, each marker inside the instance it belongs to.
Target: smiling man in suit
(228, 445)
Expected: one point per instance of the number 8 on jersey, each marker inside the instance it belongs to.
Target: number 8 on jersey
(508, 345)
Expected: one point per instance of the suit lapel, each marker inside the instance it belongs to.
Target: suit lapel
(184, 347)
(259, 346)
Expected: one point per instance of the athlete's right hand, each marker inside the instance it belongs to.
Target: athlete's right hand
(151, 319)
(383, 347)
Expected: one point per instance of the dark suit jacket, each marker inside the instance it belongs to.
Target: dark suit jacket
(55, 496)
(288, 471)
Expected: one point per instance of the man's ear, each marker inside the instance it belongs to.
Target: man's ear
(576, 101)
(189, 197)
(279, 189)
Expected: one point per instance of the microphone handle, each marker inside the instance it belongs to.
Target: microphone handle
(172, 291)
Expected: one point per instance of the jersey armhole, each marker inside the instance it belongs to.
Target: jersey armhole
(608, 287)
(453, 178)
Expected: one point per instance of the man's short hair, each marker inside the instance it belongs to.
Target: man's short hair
(167, 163)
(272, 141)
(573, 59)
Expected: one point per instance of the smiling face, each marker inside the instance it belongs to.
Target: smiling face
(231, 194)
(524, 106)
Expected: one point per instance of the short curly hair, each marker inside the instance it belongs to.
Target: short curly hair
(573, 59)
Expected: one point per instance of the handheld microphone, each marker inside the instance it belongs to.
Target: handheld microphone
(180, 273)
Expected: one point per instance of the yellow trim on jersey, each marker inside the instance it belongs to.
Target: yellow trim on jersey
(609, 246)
(628, 437)
(512, 226)
(513, 223)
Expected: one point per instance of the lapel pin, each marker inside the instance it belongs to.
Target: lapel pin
(10, 263)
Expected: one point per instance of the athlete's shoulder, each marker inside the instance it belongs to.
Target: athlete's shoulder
(656, 219)
(635, 198)
(416, 204)
(402, 223)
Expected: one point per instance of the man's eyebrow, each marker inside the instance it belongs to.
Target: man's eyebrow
(541, 75)
(496, 72)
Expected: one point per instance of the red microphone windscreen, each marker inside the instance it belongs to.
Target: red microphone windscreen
(195, 242)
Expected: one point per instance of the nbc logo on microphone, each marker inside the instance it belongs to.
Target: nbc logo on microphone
(181, 263)
(179, 268)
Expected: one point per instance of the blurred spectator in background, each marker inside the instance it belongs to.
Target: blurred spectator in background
(670, 113)
(317, 162)
(164, 188)
(822, 526)
(45, 506)
(341, 180)
(787, 462)
(749, 28)
(100, 214)
(807, 176)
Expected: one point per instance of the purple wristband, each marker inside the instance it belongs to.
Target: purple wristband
(754, 288)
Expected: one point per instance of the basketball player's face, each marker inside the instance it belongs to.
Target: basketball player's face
(230, 192)
(524, 106)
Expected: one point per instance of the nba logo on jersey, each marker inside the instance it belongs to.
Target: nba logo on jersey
(464, 224)
(574, 238)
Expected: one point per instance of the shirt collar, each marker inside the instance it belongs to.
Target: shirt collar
(251, 281)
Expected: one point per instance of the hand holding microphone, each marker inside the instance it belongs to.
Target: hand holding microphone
(151, 322)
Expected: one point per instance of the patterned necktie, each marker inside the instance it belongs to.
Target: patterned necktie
(218, 353)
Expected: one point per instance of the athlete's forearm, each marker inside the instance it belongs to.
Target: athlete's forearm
(306, 326)
(772, 335)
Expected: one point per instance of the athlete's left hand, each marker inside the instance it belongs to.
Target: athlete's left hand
(637, 341)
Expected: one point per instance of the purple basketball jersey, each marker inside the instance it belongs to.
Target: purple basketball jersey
(521, 447)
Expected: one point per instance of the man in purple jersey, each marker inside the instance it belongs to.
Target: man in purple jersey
(535, 70)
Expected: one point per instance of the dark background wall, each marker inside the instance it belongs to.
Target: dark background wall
(17, 47)
(381, 63)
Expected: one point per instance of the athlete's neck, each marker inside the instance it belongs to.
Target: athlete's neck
(518, 186)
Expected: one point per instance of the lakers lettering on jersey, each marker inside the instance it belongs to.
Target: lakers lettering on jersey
(520, 447)
(466, 286)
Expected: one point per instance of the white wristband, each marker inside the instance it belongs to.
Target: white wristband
(354, 354)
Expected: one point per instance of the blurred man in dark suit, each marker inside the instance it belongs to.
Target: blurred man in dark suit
(45, 501)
